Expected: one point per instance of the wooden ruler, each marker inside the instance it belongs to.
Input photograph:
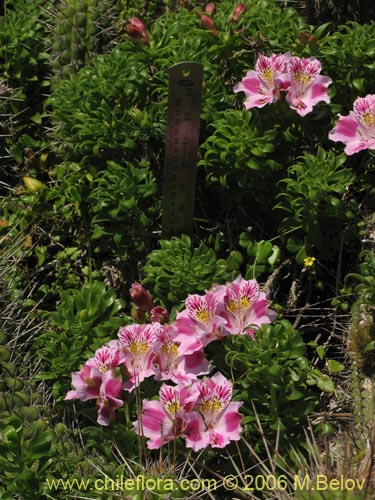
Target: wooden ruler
(183, 118)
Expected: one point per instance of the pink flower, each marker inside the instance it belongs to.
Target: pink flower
(136, 30)
(178, 357)
(201, 318)
(137, 352)
(245, 307)
(106, 358)
(164, 420)
(140, 297)
(357, 130)
(108, 401)
(86, 382)
(263, 85)
(307, 86)
(214, 419)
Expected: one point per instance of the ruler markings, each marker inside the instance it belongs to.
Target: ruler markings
(185, 89)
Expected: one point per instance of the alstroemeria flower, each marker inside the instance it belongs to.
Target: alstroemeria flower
(106, 358)
(357, 130)
(245, 307)
(307, 86)
(137, 343)
(200, 318)
(178, 357)
(164, 420)
(86, 382)
(214, 419)
(263, 85)
(108, 401)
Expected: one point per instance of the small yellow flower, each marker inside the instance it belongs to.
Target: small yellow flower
(309, 261)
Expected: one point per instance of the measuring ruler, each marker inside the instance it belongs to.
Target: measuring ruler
(183, 117)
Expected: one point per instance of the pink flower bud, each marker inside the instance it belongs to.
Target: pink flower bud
(210, 9)
(159, 314)
(238, 11)
(141, 298)
(208, 23)
(136, 30)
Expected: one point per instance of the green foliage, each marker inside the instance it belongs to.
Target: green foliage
(24, 69)
(24, 459)
(122, 208)
(273, 373)
(98, 111)
(353, 77)
(82, 322)
(314, 196)
(177, 269)
(263, 255)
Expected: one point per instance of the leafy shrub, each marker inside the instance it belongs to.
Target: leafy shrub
(122, 208)
(24, 457)
(97, 109)
(177, 269)
(24, 65)
(351, 45)
(239, 156)
(313, 196)
(273, 373)
(83, 320)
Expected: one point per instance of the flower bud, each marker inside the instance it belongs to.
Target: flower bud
(237, 12)
(140, 297)
(208, 23)
(210, 9)
(159, 314)
(136, 30)
(138, 316)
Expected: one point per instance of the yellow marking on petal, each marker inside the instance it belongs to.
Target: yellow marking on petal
(368, 119)
(211, 405)
(303, 78)
(267, 74)
(137, 348)
(233, 306)
(170, 348)
(202, 315)
(172, 407)
(245, 303)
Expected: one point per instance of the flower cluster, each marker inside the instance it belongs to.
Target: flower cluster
(299, 77)
(202, 413)
(175, 352)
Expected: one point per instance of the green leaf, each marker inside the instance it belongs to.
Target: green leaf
(325, 384)
(41, 445)
(294, 244)
(334, 366)
(320, 351)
